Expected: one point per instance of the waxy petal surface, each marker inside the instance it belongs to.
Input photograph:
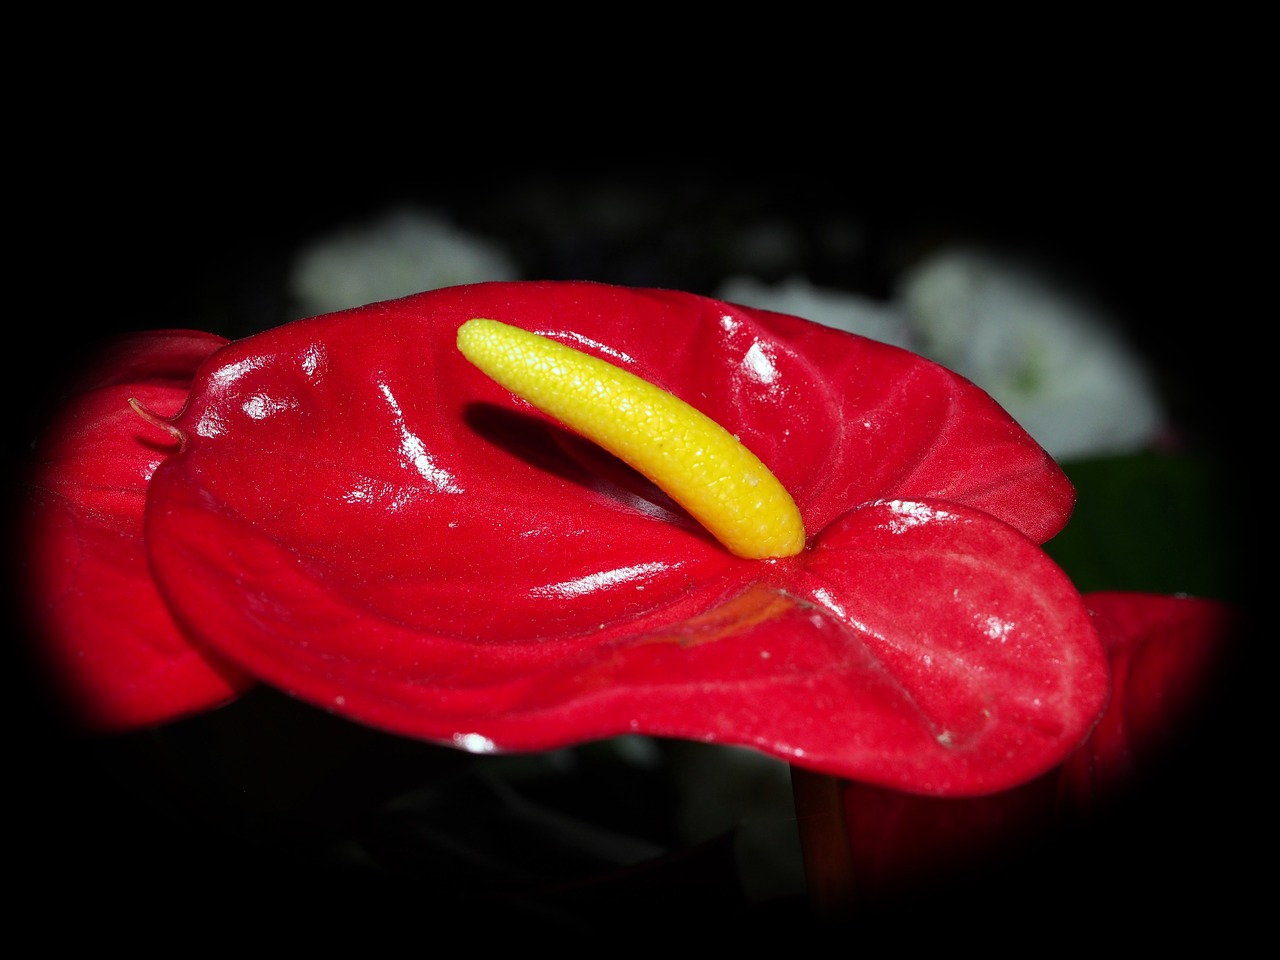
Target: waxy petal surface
(102, 630)
(1165, 654)
(1168, 655)
(363, 519)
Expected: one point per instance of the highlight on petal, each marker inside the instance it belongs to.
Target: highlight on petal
(994, 662)
(692, 458)
(1165, 654)
(99, 629)
(363, 519)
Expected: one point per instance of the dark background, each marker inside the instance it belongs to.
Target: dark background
(193, 225)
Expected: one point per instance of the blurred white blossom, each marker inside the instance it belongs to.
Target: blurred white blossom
(1058, 365)
(404, 251)
(833, 308)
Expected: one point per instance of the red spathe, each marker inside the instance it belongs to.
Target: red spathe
(361, 518)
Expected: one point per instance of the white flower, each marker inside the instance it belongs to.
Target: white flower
(1059, 366)
(404, 251)
(832, 308)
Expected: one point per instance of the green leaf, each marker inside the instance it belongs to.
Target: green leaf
(1151, 522)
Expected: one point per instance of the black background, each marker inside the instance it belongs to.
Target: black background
(191, 222)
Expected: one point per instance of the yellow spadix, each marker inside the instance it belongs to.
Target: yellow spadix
(698, 463)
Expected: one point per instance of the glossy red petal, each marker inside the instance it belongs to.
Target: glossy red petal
(364, 520)
(1165, 653)
(99, 626)
(374, 424)
(759, 654)
(876, 422)
(997, 666)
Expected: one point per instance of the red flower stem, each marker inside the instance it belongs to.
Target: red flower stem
(824, 843)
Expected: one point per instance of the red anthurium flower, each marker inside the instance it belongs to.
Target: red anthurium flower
(115, 654)
(1165, 653)
(361, 518)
